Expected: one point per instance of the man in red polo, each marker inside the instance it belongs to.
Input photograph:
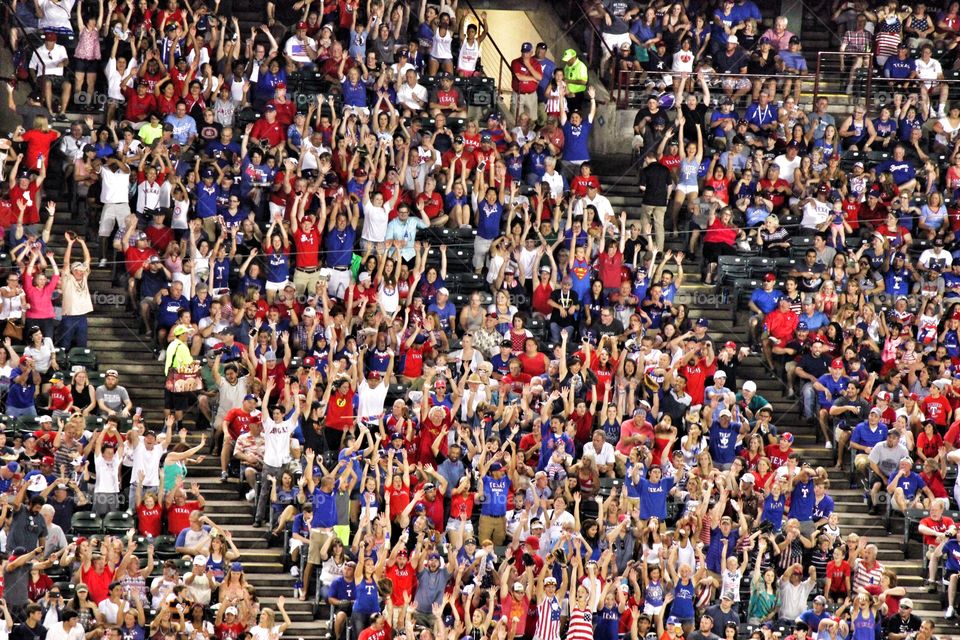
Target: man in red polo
(269, 129)
(527, 74)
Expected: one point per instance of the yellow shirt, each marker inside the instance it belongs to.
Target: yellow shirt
(150, 133)
(578, 72)
(178, 356)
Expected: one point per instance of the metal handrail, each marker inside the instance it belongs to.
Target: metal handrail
(808, 9)
(32, 49)
(503, 62)
(628, 78)
(595, 36)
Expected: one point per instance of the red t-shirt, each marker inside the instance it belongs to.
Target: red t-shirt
(38, 144)
(178, 516)
(340, 411)
(237, 421)
(226, 631)
(837, 575)
(273, 132)
(149, 520)
(579, 185)
(939, 526)
(98, 583)
(526, 67)
(60, 397)
(696, 375)
(937, 409)
(404, 581)
(31, 213)
(137, 258)
(413, 360)
(370, 633)
(778, 457)
(608, 268)
(432, 204)
(308, 248)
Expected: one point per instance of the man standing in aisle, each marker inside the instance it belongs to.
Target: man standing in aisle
(527, 74)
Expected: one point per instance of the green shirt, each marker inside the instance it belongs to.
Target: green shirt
(578, 73)
(178, 356)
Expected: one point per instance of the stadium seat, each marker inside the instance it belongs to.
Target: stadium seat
(82, 357)
(164, 547)
(118, 522)
(86, 523)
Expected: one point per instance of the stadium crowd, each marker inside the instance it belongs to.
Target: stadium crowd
(453, 381)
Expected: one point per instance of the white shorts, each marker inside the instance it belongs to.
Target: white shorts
(687, 189)
(651, 610)
(295, 544)
(112, 215)
(277, 286)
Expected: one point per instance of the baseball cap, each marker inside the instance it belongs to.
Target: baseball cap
(904, 602)
(733, 40)
(770, 277)
(786, 435)
(250, 396)
(526, 47)
(748, 478)
(720, 373)
(703, 322)
(51, 36)
(836, 364)
(301, 25)
(47, 460)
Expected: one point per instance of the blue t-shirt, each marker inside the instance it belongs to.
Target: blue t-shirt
(898, 69)
(773, 509)
(490, 217)
(354, 95)
(801, 501)
(576, 141)
(343, 589)
(910, 484)
(495, 496)
(766, 300)
(835, 387)
(714, 561)
(169, 308)
(723, 442)
(608, 623)
(902, 171)
(653, 498)
(683, 595)
(324, 512)
(823, 508)
(951, 551)
(367, 597)
(862, 434)
(21, 396)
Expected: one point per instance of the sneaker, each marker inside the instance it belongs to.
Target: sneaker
(61, 117)
(103, 263)
(828, 445)
(949, 613)
(295, 571)
(257, 523)
(223, 476)
(251, 495)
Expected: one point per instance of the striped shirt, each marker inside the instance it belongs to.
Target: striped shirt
(581, 625)
(863, 576)
(548, 619)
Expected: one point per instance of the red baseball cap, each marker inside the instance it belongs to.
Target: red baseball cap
(533, 542)
(837, 363)
(770, 277)
(731, 344)
(302, 25)
(47, 460)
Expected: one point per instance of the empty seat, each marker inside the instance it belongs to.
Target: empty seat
(86, 523)
(118, 522)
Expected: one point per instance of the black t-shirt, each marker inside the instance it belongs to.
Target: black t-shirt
(660, 118)
(599, 330)
(565, 300)
(655, 178)
(21, 631)
(724, 63)
(693, 119)
(896, 624)
(814, 366)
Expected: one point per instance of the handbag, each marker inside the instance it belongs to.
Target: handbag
(184, 379)
(13, 330)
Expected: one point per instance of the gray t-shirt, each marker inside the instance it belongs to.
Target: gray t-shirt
(617, 9)
(430, 588)
(887, 458)
(115, 399)
(26, 529)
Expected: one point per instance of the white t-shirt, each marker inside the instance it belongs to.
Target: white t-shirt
(930, 70)
(57, 632)
(406, 93)
(259, 633)
(375, 221)
(816, 213)
(276, 441)
(111, 611)
(56, 15)
(606, 455)
(371, 399)
(296, 49)
(114, 88)
(787, 167)
(108, 477)
(148, 462)
(114, 186)
(47, 61)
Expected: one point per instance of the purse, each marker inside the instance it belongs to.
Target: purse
(185, 379)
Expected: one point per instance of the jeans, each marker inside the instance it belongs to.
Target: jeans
(73, 332)
(555, 330)
(22, 412)
(263, 500)
(809, 395)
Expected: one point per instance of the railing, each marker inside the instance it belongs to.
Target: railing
(491, 56)
(31, 49)
(630, 94)
(843, 73)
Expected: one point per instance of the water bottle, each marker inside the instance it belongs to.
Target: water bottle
(297, 588)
